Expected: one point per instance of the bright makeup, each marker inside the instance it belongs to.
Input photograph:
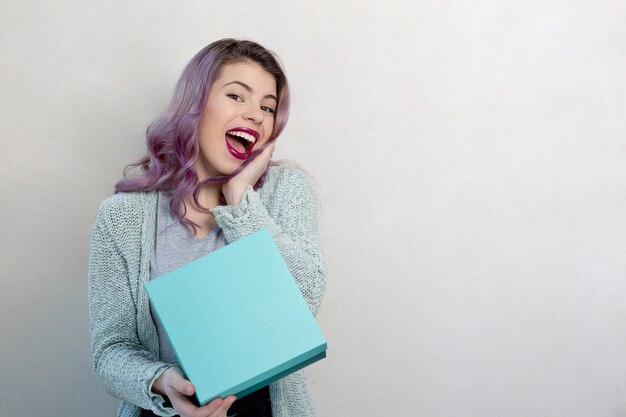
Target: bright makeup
(240, 142)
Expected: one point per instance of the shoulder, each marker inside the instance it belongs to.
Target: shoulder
(286, 177)
(288, 188)
(122, 204)
(124, 210)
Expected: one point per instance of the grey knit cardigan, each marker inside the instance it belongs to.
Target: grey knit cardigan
(125, 344)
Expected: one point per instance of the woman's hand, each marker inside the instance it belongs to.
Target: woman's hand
(173, 384)
(234, 189)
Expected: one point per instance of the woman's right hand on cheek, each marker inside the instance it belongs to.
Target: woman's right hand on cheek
(234, 188)
(173, 384)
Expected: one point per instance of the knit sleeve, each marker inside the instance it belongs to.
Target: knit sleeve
(124, 367)
(293, 225)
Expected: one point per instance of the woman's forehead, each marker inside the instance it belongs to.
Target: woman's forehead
(249, 73)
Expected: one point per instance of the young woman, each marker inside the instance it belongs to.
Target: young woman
(205, 181)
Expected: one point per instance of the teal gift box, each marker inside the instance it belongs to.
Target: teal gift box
(236, 318)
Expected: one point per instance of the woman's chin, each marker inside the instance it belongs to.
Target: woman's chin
(223, 168)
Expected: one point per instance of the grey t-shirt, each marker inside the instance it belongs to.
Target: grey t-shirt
(175, 246)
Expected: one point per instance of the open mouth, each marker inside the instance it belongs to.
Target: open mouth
(240, 142)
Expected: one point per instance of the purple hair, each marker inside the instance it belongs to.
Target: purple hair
(172, 138)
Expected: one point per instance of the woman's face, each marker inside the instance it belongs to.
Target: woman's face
(238, 117)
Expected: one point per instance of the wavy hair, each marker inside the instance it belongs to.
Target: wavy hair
(172, 140)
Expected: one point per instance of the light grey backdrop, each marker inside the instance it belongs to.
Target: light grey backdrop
(471, 163)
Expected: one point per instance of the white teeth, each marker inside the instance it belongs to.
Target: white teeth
(242, 135)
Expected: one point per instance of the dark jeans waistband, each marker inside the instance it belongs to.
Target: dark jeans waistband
(256, 404)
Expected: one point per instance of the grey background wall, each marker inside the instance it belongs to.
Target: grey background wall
(471, 165)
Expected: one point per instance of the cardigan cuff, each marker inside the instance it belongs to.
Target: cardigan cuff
(157, 401)
(239, 221)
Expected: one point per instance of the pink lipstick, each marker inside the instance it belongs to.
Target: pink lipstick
(240, 142)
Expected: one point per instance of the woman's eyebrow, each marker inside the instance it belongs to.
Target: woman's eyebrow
(249, 89)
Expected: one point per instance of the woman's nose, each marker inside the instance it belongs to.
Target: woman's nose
(254, 115)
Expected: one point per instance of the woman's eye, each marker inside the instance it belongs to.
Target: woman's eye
(235, 97)
(267, 109)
